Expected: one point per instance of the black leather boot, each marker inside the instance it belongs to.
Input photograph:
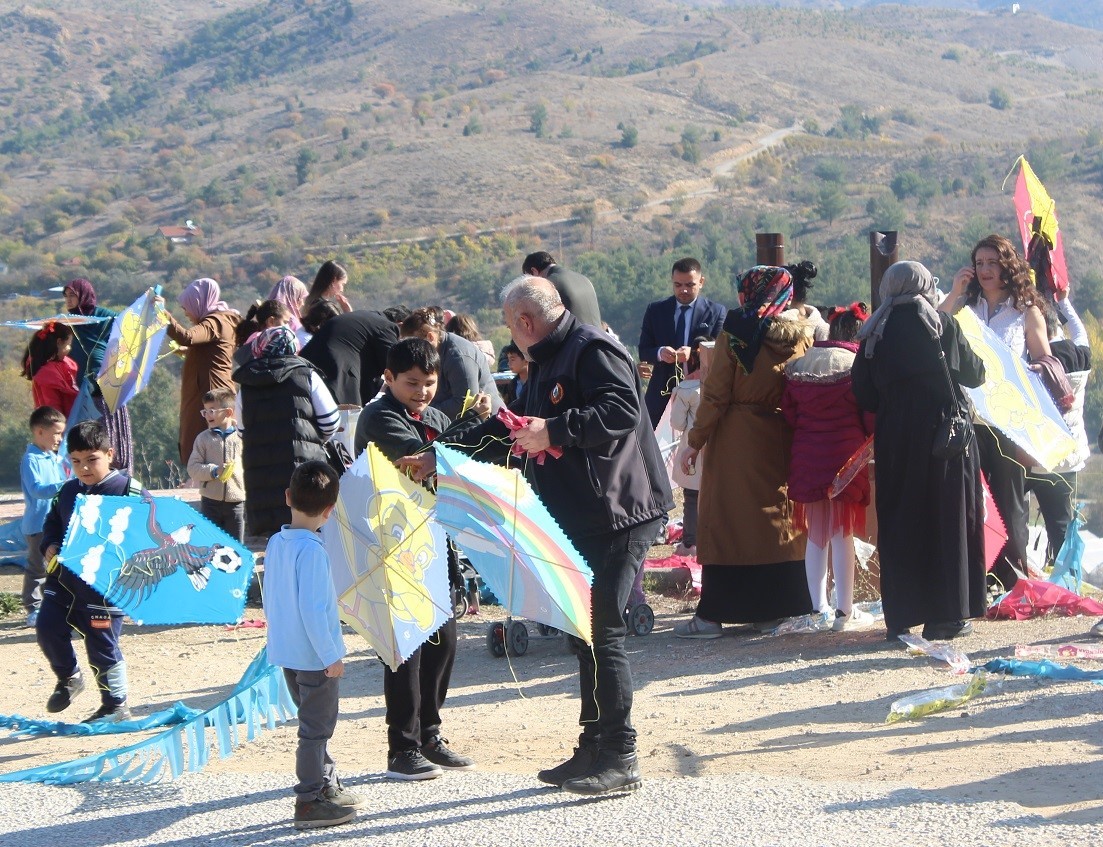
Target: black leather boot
(580, 764)
(612, 773)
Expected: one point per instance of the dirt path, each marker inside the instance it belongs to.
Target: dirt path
(804, 706)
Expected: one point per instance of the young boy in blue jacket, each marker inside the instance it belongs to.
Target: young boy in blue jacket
(42, 472)
(304, 638)
(68, 602)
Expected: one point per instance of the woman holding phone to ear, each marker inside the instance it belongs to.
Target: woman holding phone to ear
(997, 286)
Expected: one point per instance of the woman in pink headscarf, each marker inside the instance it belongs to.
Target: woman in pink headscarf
(292, 291)
(208, 359)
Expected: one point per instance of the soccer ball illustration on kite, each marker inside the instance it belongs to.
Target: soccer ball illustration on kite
(157, 559)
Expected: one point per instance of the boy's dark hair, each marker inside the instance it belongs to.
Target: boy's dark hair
(686, 266)
(46, 416)
(396, 314)
(314, 488)
(221, 396)
(537, 262)
(512, 348)
(87, 436)
(410, 353)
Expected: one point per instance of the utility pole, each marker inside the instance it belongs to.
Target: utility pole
(882, 253)
(770, 248)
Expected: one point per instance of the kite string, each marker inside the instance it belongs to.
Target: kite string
(1014, 165)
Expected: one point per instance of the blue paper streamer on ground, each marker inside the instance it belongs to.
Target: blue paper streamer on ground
(23, 727)
(260, 699)
(1044, 669)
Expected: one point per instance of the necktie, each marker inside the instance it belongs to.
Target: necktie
(680, 326)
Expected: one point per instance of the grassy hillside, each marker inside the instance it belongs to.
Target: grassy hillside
(429, 144)
(292, 130)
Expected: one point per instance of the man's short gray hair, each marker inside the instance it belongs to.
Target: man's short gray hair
(534, 296)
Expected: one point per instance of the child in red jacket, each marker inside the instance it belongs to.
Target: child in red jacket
(828, 428)
(47, 365)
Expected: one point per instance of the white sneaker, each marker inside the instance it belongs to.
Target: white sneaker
(857, 619)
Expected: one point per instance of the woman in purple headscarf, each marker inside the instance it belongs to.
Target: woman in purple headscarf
(208, 360)
(89, 347)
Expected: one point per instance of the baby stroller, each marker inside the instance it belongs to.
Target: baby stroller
(513, 635)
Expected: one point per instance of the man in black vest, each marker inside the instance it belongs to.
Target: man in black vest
(669, 327)
(575, 290)
(608, 491)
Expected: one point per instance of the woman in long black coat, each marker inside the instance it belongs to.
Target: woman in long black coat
(930, 512)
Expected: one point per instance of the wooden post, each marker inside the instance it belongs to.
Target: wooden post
(770, 248)
(882, 253)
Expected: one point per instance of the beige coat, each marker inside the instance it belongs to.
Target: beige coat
(210, 454)
(745, 517)
(208, 363)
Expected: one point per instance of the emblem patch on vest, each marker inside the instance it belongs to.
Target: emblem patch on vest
(556, 393)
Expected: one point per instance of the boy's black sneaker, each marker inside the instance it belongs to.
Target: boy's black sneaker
(110, 714)
(64, 693)
(613, 773)
(436, 751)
(411, 765)
(580, 764)
(311, 814)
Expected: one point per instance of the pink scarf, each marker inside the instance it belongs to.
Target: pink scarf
(291, 291)
(202, 298)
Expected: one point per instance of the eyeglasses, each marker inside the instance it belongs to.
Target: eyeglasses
(210, 413)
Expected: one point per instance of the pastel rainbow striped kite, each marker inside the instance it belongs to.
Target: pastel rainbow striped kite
(496, 518)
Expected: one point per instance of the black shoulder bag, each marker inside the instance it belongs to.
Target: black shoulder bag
(952, 434)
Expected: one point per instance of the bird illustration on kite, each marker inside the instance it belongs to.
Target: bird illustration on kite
(143, 570)
(157, 559)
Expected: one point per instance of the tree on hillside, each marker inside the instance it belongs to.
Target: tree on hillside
(304, 164)
(587, 216)
(629, 136)
(831, 203)
(886, 213)
(539, 121)
(691, 144)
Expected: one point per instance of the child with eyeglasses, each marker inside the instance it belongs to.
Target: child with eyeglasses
(215, 463)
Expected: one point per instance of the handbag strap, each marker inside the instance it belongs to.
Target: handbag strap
(957, 396)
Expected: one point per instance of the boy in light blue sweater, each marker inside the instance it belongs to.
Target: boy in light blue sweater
(42, 472)
(304, 638)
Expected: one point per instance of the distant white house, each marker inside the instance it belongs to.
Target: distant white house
(187, 234)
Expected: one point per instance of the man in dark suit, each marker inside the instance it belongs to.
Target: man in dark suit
(351, 352)
(669, 327)
(575, 290)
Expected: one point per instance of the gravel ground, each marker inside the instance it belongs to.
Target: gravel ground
(500, 809)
